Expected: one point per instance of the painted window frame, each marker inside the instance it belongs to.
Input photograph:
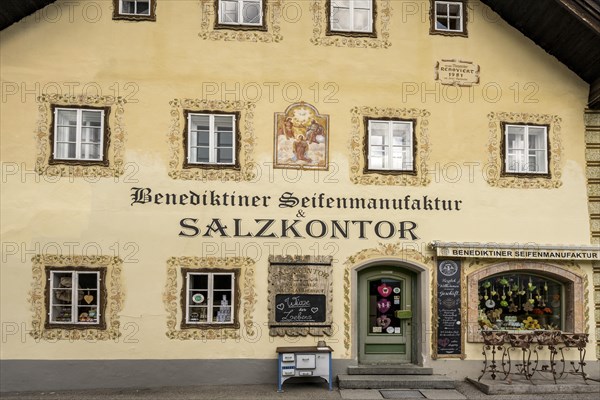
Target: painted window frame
(186, 322)
(219, 24)
(367, 145)
(188, 114)
(75, 323)
(433, 17)
(505, 150)
(104, 136)
(351, 32)
(118, 13)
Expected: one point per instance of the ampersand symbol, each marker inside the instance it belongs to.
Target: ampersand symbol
(300, 214)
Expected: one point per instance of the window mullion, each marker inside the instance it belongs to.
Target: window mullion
(74, 296)
(78, 134)
(210, 284)
(351, 4)
(187, 298)
(211, 139)
(390, 146)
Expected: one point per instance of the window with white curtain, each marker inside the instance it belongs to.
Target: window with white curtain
(211, 139)
(79, 134)
(390, 145)
(241, 12)
(526, 149)
(351, 15)
(134, 7)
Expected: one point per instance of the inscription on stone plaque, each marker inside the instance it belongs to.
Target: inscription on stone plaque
(457, 72)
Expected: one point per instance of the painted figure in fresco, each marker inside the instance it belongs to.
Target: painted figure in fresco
(300, 149)
(315, 133)
(287, 129)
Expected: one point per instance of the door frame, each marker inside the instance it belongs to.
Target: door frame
(421, 353)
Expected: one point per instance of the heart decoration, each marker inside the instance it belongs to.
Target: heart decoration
(280, 306)
(384, 289)
(88, 298)
(444, 342)
(384, 321)
(314, 310)
(383, 305)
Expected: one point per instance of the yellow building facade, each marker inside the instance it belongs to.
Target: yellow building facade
(187, 178)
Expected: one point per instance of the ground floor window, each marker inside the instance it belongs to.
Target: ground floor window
(520, 301)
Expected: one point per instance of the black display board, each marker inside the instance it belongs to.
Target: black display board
(449, 330)
(300, 308)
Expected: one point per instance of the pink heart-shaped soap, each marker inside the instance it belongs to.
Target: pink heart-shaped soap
(383, 305)
(384, 321)
(384, 289)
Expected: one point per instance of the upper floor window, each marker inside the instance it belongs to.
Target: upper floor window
(241, 12)
(390, 145)
(75, 297)
(210, 298)
(80, 134)
(525, 149)
(448, 17)
(138, 10)
(352, 16)
(212, 139)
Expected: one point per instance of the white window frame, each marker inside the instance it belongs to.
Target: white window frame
(74, 297)
(448, 16)
(79, 127)
(523, 167)
(212, 139)
(135, 7)
(210, 298)
(240, 15)
(390, 145)
(352, 28)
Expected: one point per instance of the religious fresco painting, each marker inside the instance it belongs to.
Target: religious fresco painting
(301, 138)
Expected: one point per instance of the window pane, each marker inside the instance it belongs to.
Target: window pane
(251, 13)
(225, 156)
(91, 118)
(362, 4)
(90, 135)
(454, 24)
(67, 118)
(222, 307)
(340, 18)
(441, 23)
(66, 134)
(454, 10)
(90, 151)
(516, 141)
(223, 123)
(225, 139)
(143, 8)
(201, 138)
(229, 11)
(200, 122)
(222, 281)
(128, 7)
(199, 154)
(65, 150)
(361, 20)
(441, 8)
(376, 162)
(199, 281)
(61, 314)
(537, 161)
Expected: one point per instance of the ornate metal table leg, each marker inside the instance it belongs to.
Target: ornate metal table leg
(578, 341)
(523, 341)
(492, 340)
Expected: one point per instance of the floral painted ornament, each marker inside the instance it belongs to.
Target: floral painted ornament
(383, 305)
(384, 289)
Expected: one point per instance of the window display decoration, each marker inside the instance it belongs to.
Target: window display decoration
(247, 300)
(520, 301)
(85, 327)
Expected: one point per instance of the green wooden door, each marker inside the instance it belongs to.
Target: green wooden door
(385, 304)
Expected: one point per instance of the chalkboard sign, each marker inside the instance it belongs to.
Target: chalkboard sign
(300, 308)
(449, 330)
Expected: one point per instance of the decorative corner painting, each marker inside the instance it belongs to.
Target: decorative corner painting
(301, 138)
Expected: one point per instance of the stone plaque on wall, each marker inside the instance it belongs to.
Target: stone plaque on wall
(457, 72)
(300, 296)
